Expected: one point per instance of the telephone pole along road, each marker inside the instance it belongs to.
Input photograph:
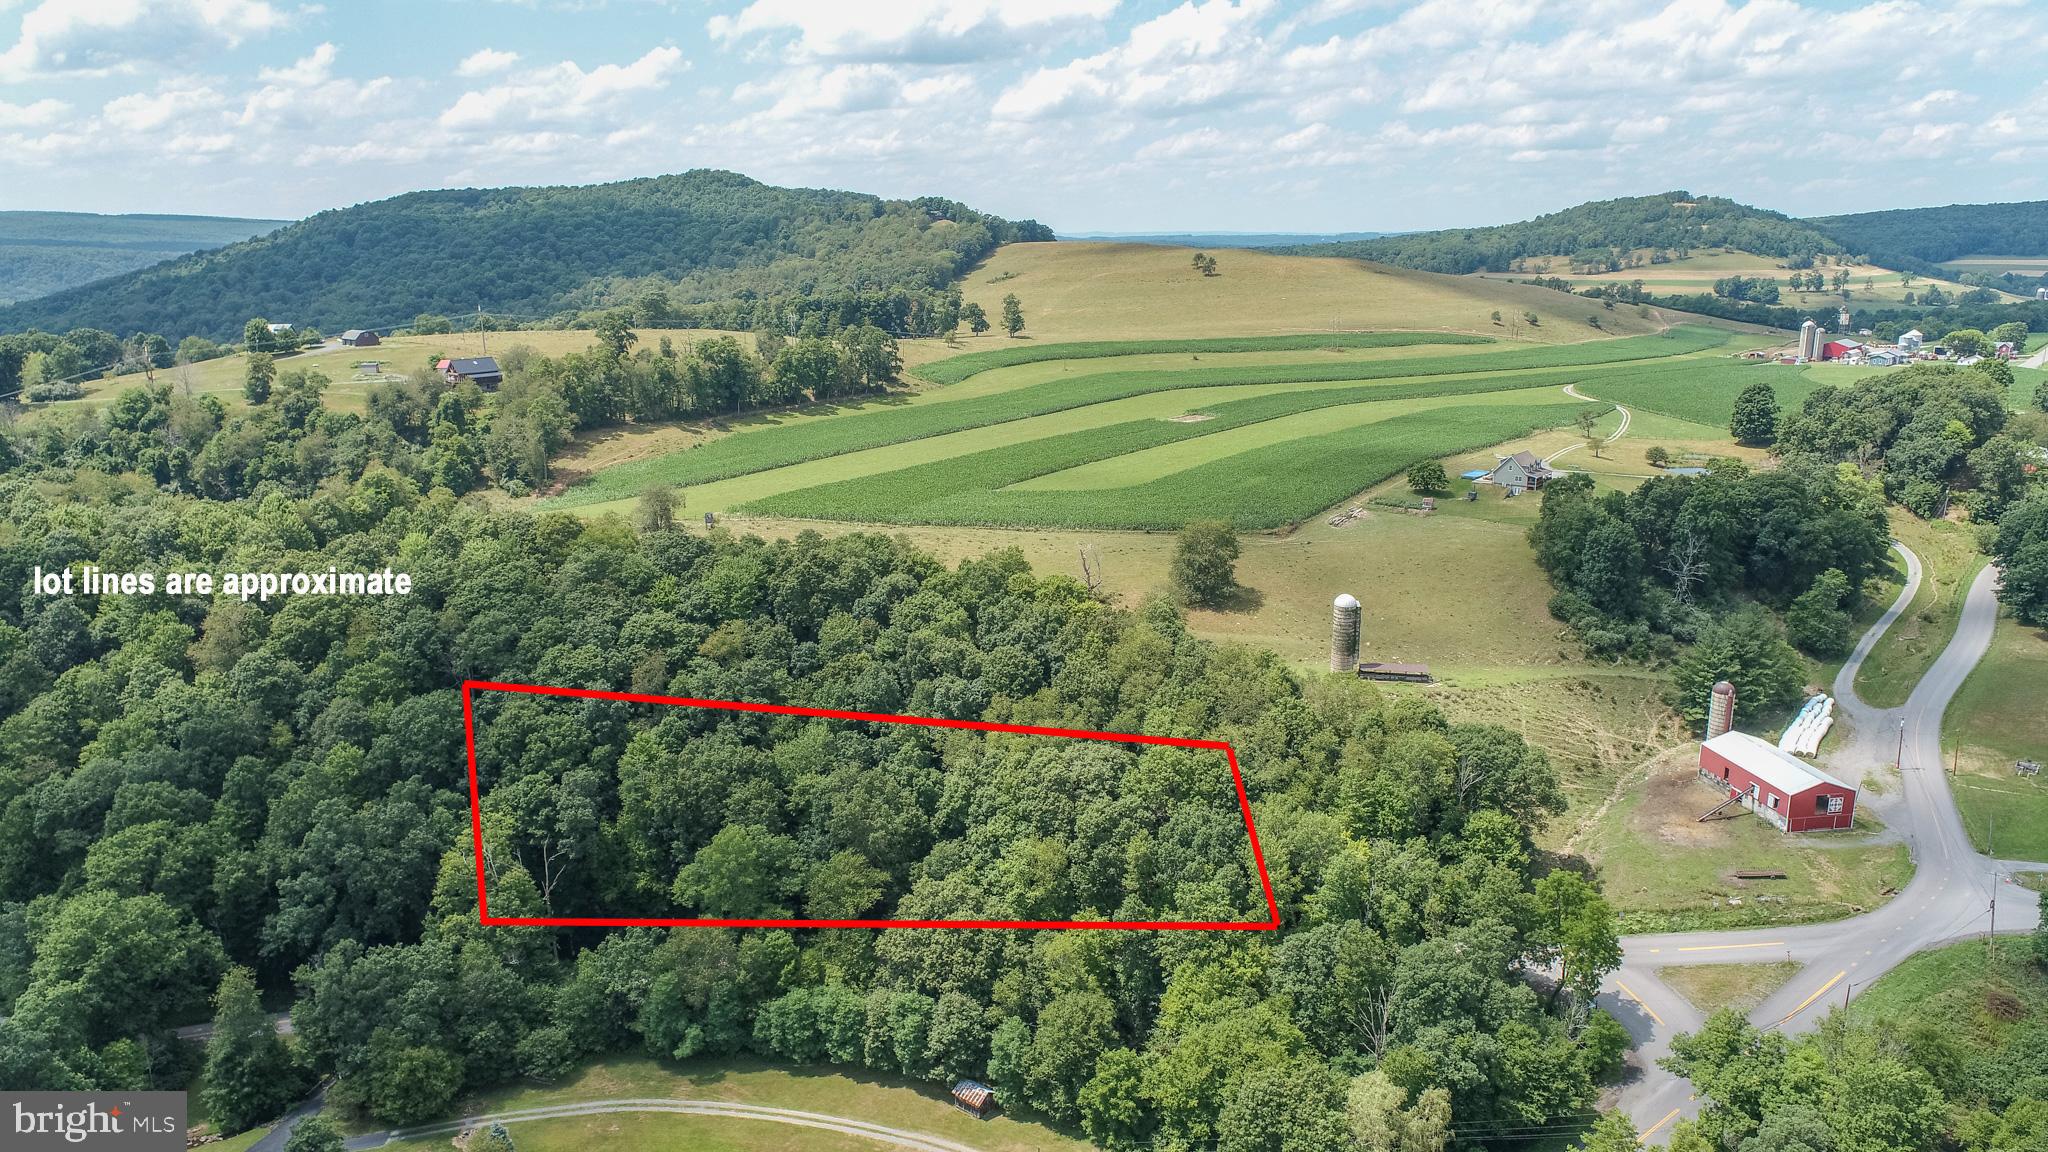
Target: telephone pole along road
(1948, 899)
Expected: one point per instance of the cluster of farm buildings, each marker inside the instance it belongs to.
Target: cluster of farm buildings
(1815, 345)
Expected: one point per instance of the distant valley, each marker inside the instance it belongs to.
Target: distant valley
(45, 252)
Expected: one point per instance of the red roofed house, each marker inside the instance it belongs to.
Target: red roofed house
(1776, 785)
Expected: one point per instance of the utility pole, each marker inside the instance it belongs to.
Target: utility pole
(483, 335)
(1899, 759)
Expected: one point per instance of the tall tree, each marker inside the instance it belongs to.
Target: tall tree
(1204, 568)
(1013, 315)
(1756, 415)
(249, 1072)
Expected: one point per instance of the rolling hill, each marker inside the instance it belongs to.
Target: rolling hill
(717, 240)
(1917, 239)
(1085, 291)
(44, 252)
(1673, 221)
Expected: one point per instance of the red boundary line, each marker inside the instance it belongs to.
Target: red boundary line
(476, 820)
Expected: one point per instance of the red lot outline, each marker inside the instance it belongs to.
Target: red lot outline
(476, 820)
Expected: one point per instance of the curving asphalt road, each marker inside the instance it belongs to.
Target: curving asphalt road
(1949, 897)
(895, 1137)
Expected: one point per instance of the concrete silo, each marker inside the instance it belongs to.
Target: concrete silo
(1721, 709)
(1809, 341)
(1344, 634)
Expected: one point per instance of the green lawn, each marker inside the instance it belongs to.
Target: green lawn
(1949, 561)
(893, 1101)
(1997, 719)
(1701, 393)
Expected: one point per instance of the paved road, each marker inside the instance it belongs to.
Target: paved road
(896, 1137)
(1948, 898)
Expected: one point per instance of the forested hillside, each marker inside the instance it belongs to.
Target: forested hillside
(197, 790)
(44, 252)
(1675, 222)
(749, 252)
(1917, 238)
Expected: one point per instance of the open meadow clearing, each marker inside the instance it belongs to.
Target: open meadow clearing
(1868, 283)
(1095, 291)
(1997, 720)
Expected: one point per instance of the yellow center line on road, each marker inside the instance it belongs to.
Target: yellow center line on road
(1652, 1129)
(1817, 994)
(1631, 994)
(1715, 947)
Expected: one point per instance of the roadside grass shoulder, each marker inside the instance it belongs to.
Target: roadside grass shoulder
(1996, 720)
(957, 368)
(1984, 999)
(881, 423)
(1949, 560)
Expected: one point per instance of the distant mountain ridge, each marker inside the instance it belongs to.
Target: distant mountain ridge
(1672, 220)
(44, 252)
(1930, 235)
(705, 237)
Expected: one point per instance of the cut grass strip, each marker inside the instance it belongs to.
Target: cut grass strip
(817, 437)
(1712, 987)
(1263, 488)
(954, 369)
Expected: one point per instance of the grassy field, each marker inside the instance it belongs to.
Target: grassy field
(1868, 283)
(1712, 987)
(1094, 291)
(1949, 560)
(1997, 719)
(1664, 870)
(887, 1100)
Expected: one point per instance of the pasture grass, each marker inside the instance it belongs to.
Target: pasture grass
(1699, 392)
(1981, 998)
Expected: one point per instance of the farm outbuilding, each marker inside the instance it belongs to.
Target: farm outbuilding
(1776, 785)
(359, 338)
(974, 1098)
(1839, 349)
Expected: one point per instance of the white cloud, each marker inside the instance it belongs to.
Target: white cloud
(929, 30)
(37, 114)
(144, 112)
(97, 37)
(563, 93)
(486, 62)
(1195, 55)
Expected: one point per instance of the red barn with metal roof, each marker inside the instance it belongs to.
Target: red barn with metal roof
(1776, 785)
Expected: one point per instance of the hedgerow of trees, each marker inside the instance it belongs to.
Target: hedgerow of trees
(198, 793)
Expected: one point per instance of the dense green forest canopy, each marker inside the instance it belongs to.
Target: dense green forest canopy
(696, 238)
(1917, 238)
(44, 252)
(1674, 221)
(197, 790)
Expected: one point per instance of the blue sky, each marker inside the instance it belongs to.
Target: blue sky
(1087, 114)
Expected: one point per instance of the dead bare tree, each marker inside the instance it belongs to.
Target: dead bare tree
(1686, 564)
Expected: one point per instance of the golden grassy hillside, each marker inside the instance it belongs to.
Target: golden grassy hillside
(1074, 290)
